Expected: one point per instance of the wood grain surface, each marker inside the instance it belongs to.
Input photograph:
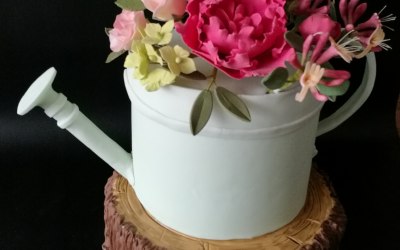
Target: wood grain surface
(319, 225)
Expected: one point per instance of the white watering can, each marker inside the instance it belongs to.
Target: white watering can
(234, 180)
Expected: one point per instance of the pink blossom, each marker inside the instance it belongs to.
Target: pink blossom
(165, 9)
(335, 77)
(307, 7)
(351, 11)
(369, 33)
(312, 71)
(125, 29)
(241, 38)
(321, 53)
(316, 43)
(319, 23)
(309, 80)
(366, 30)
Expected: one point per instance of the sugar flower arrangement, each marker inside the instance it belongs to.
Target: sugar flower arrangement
(284, 42)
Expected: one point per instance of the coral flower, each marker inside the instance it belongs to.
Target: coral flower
(351, 11)
(374, 42)
(346, 48)
(369, 33)
(311, 76)
(315, 53)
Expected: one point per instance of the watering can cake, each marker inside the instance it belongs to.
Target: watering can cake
(196, 168)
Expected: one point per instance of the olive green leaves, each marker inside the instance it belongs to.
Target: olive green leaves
(201, 111)
(233, 103)
(332, 91)
(203, 106)
(294, 40)
(276, 79)
(132, 5)
(114, 55)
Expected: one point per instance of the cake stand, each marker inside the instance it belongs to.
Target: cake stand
(319, 225)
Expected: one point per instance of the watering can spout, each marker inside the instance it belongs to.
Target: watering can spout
(68, 117)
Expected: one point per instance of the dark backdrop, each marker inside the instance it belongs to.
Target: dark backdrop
(51, 186)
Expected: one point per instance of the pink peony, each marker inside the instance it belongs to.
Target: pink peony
(125, 29)
(242, 38)
(165, 9)
(319, 23)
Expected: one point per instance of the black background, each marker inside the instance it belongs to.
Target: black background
(51, 185)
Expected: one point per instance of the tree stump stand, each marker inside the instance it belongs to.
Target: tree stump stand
(319, 225)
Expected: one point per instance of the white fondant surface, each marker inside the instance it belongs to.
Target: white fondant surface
(235, 179)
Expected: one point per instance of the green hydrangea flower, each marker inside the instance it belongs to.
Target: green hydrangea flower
(138, 60)
(157, 34)
(178, 60)
(157, 78)
(153, 55)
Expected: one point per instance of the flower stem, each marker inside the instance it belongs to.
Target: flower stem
(213, 78)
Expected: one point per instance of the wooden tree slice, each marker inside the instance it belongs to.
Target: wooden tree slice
(319, 225)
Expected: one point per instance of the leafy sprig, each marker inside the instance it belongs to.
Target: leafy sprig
(203, 105)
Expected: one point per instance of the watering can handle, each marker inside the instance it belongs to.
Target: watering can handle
(354, 102)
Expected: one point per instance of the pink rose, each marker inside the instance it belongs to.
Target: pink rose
(165, 9)
(319, 23)
(125, 29)
(242, 38)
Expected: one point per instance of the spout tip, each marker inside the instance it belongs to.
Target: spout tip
(37, 91)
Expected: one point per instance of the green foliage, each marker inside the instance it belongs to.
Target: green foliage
(294, 40)
(132, 5)
(233, 103)
(201, 111)
(114, 55)
(332, 11)
(334, 91)
(276, 79)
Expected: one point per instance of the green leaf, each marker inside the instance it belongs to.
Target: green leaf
(132, 5)
(290, 68)
(201, 111)
(196, 75)
(107, 30)
(334, 91)
(233, 103)
(114, 55)
(332, 11)
(276, 79)
(294, 40)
